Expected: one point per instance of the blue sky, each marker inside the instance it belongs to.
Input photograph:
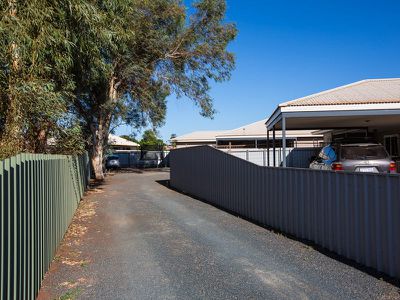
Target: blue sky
(288, 49)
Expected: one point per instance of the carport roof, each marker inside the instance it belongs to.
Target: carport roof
(367, 91)
(367, 103)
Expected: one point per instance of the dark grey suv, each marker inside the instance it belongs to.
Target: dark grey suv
(363, 157)
(112, 162)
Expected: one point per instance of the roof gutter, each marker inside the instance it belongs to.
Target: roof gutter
(276, 117)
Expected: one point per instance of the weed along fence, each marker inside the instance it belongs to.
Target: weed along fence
(354, 215)
(39, 195)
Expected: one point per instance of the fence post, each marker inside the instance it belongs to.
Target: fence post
(264, 157)
(2, 233)
(88, 175)
(15, 226)
(7, 217)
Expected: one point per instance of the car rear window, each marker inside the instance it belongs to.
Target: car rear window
(363, 152)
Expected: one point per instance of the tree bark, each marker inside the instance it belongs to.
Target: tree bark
(100, 129)
(41, 138)
(96, 153)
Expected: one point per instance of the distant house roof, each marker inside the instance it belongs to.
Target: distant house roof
(198, 136)
(258, 129)
(115, 140)
(369, 91)
(250, 131)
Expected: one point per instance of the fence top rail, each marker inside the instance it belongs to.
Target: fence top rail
(253, 149)
(244, 149)
(40, 156)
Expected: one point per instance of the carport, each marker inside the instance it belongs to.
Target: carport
(372, 105)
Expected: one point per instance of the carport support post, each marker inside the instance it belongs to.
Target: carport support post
(273, 146)
(268, 147)
(284, 142)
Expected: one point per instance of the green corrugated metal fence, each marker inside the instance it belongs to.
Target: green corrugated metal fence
(39, 194)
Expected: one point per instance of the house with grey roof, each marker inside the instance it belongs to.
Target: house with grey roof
(197, 138)
(119, 144)
(368, 108)
(254, 135)
(250, 136)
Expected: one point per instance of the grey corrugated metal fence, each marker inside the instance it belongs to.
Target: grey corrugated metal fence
(39, 195)
(295, 157)
(355, 215)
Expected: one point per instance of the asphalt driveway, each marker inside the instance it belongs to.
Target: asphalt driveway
(134, 238)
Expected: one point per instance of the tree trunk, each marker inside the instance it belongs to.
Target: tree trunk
(41, 139)
(100, 130)
(96, 153)
(11, 142)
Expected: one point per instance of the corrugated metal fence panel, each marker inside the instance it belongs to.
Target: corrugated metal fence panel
(354, 215)
(39, 195)
(295, 157)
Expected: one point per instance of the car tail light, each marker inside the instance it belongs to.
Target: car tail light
(392, 167)
(337, 167)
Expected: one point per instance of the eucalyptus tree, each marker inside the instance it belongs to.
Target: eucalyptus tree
(141, 52)
(36, 84)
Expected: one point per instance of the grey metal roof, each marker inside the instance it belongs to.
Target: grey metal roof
(203, 136)
(369, 91)
(259, 129)
(119, 141)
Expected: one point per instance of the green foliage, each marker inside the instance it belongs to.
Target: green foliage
(150, 141)
(71, 294)
(174, 52)
(67, 139)
(173, 143)
(36, 84)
